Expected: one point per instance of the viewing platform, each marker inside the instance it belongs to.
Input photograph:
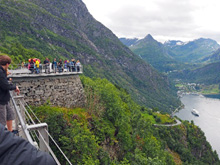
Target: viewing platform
(22, 72)
(61, 88)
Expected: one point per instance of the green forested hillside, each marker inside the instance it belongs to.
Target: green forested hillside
(112, 129)
(65, 29)
(215, 57)
(208, 74)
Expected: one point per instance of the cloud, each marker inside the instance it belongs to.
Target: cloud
(170, 19)
(166, 18)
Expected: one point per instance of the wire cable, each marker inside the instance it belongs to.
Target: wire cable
(29, 120)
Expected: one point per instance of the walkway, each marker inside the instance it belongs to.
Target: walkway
(24, 72)
(169, 125)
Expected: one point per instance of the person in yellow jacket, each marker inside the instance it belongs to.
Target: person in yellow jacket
(37, 65)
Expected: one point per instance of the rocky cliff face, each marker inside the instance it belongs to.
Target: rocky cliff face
(65, 29)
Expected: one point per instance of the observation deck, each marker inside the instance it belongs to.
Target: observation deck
(18, 71)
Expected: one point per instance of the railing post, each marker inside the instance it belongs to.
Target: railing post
(44, 134)
(42, 129)
(25, 133)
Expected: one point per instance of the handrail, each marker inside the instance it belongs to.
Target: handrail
(29, 126)
(23, 125)
(44, 68)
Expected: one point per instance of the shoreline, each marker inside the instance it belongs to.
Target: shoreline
(208, 115)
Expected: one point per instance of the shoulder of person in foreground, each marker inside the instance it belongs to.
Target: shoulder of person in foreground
(15, 150)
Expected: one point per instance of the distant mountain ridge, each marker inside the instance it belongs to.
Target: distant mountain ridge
(185, 52)
(173, 43)
(213, 58)
(191, 51)
(153, 52)
(175, 54)
(129, 42)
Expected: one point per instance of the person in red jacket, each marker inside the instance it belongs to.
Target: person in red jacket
(6, 113)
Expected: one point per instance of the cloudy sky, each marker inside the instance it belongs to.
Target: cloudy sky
(184, 20)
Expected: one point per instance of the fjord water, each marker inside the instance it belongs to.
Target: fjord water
(209, 116)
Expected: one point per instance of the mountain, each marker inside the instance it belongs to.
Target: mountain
(174, 43)
(128, 42)
(207, 74)
(154, 53)
(213, 58)
(192, 51)
(65, 29)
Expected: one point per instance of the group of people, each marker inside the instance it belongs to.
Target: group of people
(55, 66)
(23, 151)
(70, 66)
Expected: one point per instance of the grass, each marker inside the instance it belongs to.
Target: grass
(179, 85)
(165, 119)
(158, 118)
(203, 89)
(212, 89)
(149, 117)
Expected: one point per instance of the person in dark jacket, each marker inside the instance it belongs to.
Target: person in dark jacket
(16, 151)
(54, 65)
(6, 113)
(60, 66)
(73, 63)
(47, 65)
(31, 66)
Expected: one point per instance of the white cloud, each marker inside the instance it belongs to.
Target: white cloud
(164, 19)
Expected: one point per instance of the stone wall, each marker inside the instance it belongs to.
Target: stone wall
(64, 91)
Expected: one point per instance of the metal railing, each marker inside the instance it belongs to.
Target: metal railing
(44, 69)
(32, 129)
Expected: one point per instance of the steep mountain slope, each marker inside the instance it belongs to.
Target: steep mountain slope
(191, 51)
(154, 53)
(208, 74)
(65, 29)
(213, 58)
(128, 42)
(113, 129)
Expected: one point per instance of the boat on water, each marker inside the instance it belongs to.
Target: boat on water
(195, 112)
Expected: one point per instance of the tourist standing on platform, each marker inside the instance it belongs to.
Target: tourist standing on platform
(37, 65)
(78, 65)
(22, 64)
(47, 65)
(68, 66)
(6, 112)
(60, 65)
(73, 63)
(54, 65)
(31, 66)
(65, 66)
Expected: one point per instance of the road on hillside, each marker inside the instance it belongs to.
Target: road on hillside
(169, 125)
